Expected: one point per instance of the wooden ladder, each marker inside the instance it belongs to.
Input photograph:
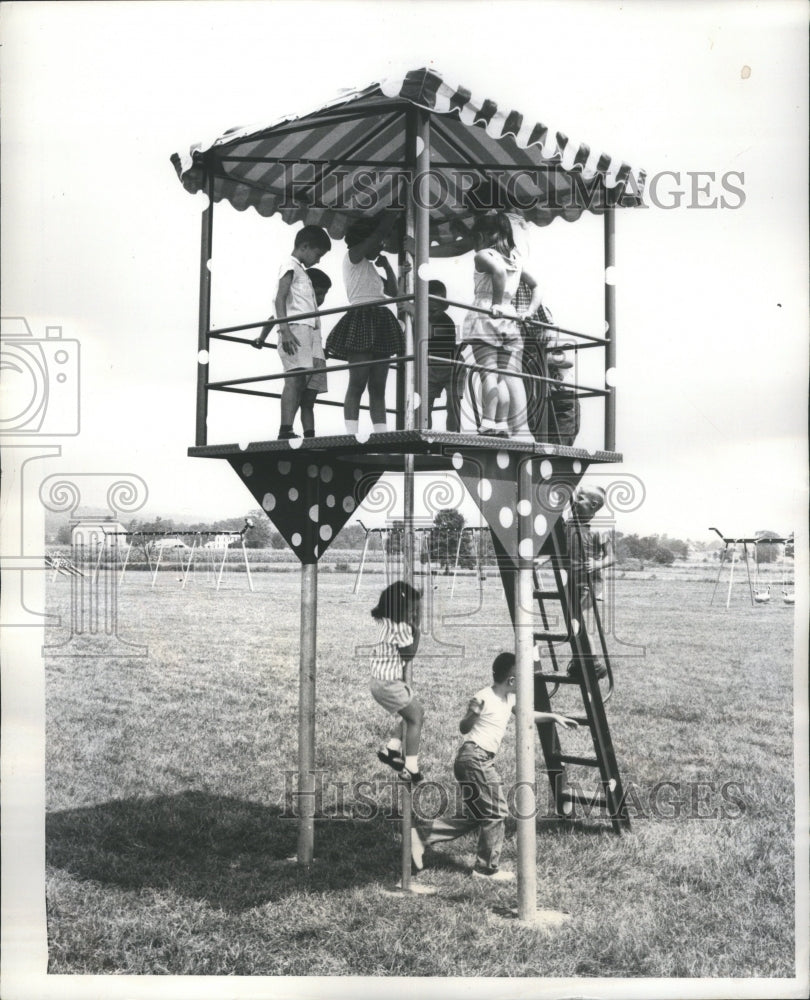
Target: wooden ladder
(609, 797)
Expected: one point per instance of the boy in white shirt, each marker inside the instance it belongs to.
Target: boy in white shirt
(299, 342)
(483, 727)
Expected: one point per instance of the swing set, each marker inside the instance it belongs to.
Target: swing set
(759, 592)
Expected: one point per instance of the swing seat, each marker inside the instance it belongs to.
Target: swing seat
(789, 598)
(762, 596)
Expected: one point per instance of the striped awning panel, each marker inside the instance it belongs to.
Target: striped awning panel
(348, 159)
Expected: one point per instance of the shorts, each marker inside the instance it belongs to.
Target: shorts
(439, 377)
(392, 695)
(308, 354)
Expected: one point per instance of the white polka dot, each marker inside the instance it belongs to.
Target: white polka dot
(295, 443)
(268, 502)
(524, 508)
(484, 489)
(577, 467)
(610, 274)
(563, 576)
(607, 327)
(575, 626)
(325, 532)
(247, 469)
(420, 142)
(546, 469)
(202, 357)
(348, 504)
(313, 513)
(457, 460)
(506, 517)
(391, 86)
(611, 377)
(548, 449)
(540, 524)
(358, 474)
(292, 493)
(612, 784)
(326, 474)
(425, 270)
(417, 399)
(284, 468)
(312, 471)
(243, 445)
(362, 435)
(526, 549)
(330, 500)
(296, 539)
(502, 458)
(535, 653)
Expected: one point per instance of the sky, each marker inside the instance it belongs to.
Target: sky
(100, 239)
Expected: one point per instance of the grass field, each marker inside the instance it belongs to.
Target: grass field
(167, 837)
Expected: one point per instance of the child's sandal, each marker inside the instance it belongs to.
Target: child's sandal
(391, 758)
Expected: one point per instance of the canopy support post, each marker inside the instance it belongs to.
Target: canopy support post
(204, 321)
(421, 194)
(610, 329)
(306, 713)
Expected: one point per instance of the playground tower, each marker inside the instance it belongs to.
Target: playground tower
(425, 147)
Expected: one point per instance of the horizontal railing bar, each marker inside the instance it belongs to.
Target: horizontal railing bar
(297, 317)
(394, 360)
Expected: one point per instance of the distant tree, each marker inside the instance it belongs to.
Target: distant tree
(663, 556)
(64, 535)
(447, 537)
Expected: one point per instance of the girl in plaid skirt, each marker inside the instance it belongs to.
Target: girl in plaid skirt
(370, 333)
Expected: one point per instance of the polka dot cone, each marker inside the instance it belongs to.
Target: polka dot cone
(307, 501)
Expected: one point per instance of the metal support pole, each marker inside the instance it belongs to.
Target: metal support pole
(421, 197)
(748, 571)
(204, 321)
(306, 713)
(610, 330)
(526, 797)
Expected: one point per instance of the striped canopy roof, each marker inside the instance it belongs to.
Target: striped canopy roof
(344, 160)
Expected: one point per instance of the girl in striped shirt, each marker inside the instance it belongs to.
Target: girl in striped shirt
(398, 612)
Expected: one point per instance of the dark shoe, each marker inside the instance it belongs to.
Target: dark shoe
(391, 758)
(574, 671)
(411, 777)
(287, 435)
(490, 432)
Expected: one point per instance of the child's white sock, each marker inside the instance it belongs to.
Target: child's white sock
(394, 744)
(351, 426)
(412, 763)
(380, 428)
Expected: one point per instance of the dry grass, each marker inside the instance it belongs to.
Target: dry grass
(166, 839)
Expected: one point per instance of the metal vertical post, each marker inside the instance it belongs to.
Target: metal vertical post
(306, 713)
(610, 329)
(421, 190)
(525, 798)
(204, 316)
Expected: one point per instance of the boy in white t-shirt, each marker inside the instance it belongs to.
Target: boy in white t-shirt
(483, 727)
(300, 341)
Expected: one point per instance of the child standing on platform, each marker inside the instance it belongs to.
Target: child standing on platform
(494, 336)
(484, 804)
(300, 341)
(398, 613)
(371, 333)
(442, 344)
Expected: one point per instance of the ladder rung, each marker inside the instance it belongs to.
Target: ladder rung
(565, 758)
(547, 595)
(599, 801)
(551, 636)
(558, 678)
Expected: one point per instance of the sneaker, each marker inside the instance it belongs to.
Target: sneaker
(417, 850)
(287, 435)
(574, 671)
(410, 777)
(392, 758)
(493, 874)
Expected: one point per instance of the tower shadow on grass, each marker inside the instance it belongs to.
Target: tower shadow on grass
(227, 852)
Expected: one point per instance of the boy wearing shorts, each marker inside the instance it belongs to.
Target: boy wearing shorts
(300, 344)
